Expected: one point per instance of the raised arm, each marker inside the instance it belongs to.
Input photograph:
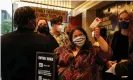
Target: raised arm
(102, 43)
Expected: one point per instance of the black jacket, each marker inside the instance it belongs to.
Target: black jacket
(119, 46)
(53, 43)
(126, 68)
(18, 54)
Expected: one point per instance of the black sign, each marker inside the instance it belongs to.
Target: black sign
(45, 66)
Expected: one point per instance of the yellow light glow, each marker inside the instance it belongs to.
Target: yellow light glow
(55, 3)
(14, 1)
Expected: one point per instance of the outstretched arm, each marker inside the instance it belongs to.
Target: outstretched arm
(102, 43)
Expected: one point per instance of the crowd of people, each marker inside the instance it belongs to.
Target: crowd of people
(76, 56)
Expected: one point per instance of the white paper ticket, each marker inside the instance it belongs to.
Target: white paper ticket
(95, 22)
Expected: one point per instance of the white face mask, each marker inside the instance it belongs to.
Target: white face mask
(79, 41)
(59, 28)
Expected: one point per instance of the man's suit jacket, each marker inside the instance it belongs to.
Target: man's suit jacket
(18, 54)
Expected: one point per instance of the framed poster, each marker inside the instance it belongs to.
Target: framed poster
(50, 13)
(45, 66)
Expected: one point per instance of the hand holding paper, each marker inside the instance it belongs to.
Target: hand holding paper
(111, 69)
(93, 26)
(95, 23)
(110, 63)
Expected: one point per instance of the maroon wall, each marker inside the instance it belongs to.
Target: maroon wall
(75, 21)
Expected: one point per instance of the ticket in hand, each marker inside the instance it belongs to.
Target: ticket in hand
(95, 23)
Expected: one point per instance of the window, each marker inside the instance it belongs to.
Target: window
(6, 16)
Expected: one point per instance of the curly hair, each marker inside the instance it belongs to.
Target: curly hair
(59, 19)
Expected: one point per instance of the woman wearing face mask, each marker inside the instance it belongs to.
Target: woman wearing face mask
(120, 42)
(43, 29)
(80, 60)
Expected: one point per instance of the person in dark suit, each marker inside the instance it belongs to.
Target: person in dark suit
(18, 48)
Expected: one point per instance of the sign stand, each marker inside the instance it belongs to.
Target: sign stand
(45, 66)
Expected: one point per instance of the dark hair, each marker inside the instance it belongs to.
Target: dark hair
(41, 25)
(130, 33)
(44, 20)
(131, 48)
(53, 21)
(59, 19)
(87, 45)
(103, 32)
(22, 15)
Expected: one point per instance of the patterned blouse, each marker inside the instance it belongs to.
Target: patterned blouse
(84, 66)
(62, 38)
